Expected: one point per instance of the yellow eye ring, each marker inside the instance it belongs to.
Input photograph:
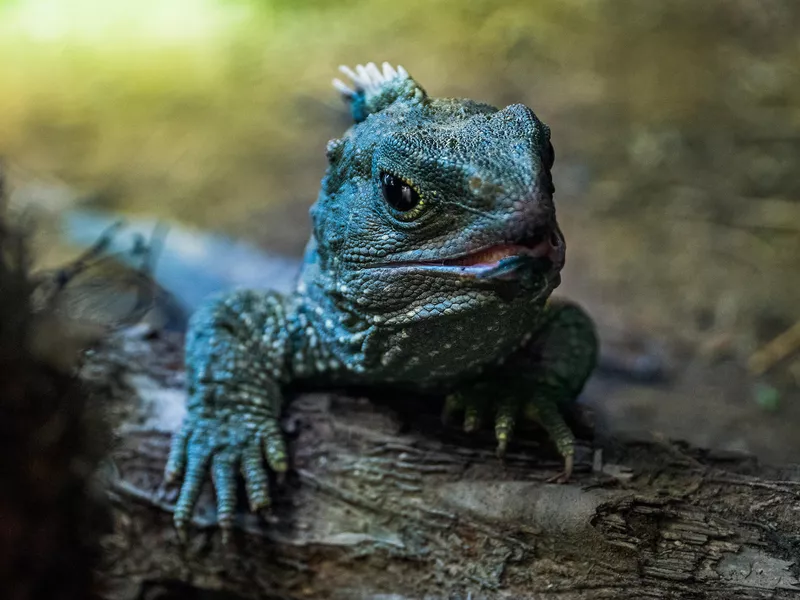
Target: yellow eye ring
(401, 197)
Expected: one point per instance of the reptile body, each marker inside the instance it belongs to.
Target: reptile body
(434, 252)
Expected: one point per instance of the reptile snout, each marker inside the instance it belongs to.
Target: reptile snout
(557, 247)
(547, 241)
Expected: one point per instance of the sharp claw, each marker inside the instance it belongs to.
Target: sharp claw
(279, 466)
(182, 531)
(503, 427)
(260, 504)
(564, 476)
(170, 477)
(223, 472)
(502, 444)
(257, 498)
(569, 463)
(471, 421)
(275, 450)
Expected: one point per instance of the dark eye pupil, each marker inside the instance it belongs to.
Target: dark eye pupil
(397, 193)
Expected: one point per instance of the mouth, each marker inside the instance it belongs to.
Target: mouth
(544, 244)
(543, 251)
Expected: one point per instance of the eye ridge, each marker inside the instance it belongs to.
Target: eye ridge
(399, 194)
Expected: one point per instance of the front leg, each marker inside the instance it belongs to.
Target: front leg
(537, 382)
(237, 352)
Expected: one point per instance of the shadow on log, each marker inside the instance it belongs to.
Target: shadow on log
(380, 507)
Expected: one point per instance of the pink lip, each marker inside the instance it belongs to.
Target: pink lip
(489, 257)
(546, 243)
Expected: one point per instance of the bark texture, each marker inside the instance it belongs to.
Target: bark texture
(384, 502)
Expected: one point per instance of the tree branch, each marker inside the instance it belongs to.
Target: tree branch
(384, 503)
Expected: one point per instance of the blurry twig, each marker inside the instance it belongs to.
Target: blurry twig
(775, 350)
(50, 283)
(94, 294)
(148, 290)
(97, 275)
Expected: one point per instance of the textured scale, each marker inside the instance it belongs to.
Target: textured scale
(450, 294)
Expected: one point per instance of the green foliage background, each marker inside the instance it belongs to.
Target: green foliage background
(676, 126)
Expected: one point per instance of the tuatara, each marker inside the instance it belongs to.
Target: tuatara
(434, 252)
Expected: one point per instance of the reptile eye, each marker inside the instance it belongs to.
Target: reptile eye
(398, 194)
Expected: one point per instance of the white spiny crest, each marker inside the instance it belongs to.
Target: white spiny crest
(368, 79)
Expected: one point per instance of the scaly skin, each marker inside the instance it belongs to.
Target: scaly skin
(434, 251)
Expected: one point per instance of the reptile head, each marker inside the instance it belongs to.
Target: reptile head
(434, 206)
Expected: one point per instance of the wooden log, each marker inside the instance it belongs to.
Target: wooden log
(385, 502)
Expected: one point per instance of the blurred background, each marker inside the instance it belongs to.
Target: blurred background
(676, 126)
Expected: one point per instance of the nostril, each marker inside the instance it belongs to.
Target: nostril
(555, 241)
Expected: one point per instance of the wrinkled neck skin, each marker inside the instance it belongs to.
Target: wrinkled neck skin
(433, 337)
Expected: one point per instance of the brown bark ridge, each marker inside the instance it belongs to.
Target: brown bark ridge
(388, 504)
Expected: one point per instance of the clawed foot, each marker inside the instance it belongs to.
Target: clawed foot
(224, 448)
(506, 414)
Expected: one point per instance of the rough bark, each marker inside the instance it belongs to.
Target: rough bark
(384, 503)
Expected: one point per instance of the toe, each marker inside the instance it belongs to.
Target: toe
(472, 418)
(223, 472)
(255, 477)
(504, 426)
(275, 448)
(197, 463)
(176, 463)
